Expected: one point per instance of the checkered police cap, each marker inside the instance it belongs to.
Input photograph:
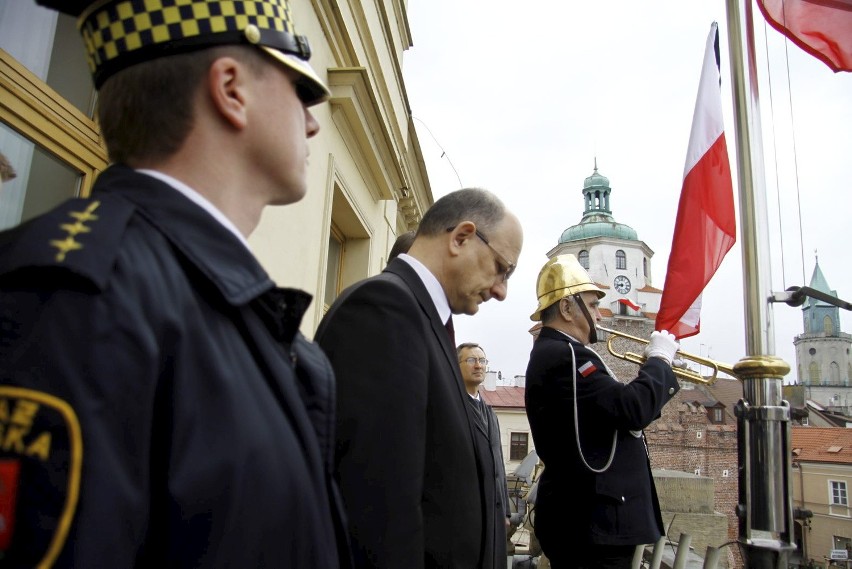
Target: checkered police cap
(121, 33)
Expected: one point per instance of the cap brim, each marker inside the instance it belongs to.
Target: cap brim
(312, 90)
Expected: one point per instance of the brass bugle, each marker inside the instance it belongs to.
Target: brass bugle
(683, 373)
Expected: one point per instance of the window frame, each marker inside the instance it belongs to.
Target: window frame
(838, 498)
(515, 444)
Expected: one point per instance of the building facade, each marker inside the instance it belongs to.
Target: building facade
(822, 479)
(367, 180)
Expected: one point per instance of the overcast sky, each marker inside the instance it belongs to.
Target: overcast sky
(522, 97)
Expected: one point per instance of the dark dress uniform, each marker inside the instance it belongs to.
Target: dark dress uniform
(576, 508)
(166, 409)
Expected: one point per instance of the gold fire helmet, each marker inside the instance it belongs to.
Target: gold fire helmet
(562, 276)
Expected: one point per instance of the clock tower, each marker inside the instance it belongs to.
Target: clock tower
(616, 259)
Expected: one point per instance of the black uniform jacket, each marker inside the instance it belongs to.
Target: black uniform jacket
(190, 423)
(418, 489)
(575, 506)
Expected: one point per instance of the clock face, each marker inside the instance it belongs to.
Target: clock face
(622, 284)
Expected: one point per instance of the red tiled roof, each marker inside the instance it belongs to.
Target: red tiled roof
(599, 285)
(504, 397)
(822, 444)
(649, 288)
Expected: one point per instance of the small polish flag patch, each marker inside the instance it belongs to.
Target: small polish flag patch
(587, 369)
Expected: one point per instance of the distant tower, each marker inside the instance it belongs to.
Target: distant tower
(618, 262)
(823, 362)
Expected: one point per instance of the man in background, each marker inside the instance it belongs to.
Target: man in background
(474, 364)
(596, 498)
(167, 411)
(402, 244)
(417, 480)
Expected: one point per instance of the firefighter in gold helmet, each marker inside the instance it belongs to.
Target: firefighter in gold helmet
(596, 499)
(166, 410)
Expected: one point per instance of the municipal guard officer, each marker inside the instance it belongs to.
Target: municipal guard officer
(158, 405)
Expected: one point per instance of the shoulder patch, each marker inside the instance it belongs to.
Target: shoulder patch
(81, 235)
(41, 455)
(587, 369)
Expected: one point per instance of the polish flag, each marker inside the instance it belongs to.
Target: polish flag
(628, 302)
(823, 28)
(705, 229)
(587, 369)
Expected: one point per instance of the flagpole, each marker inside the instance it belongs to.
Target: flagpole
(765, 490)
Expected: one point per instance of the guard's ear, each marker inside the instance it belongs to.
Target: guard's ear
(226, 86)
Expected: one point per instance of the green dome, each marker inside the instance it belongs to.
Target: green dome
(596, 181)
(597, 219)
(592, 229)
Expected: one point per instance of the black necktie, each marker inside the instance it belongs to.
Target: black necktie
(450, 330)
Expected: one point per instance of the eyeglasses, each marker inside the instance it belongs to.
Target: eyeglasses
(504, 267)
(473, 361)
(510, 267)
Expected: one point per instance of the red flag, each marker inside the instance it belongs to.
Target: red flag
(628, 302)
(705, 229)
(822, 28)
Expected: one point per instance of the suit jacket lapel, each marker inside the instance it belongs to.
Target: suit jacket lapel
(410, 277)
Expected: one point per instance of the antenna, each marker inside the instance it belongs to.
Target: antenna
(443, 152)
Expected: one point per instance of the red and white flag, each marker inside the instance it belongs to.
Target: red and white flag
(822, 28)
(630, 303)
(705, 229)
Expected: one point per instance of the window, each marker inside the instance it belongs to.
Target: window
(828, 326)
(620, 260)
(333, 267)
(717, 415)
(805, 421)
(348, 255)
(645, 266)
(834, 373)
(813, 373)
(47, 135)
(583, 257)
(838, 493)
(519, 446)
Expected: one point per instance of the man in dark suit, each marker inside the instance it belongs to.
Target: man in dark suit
(473, 365)
(417, 482)
(596, 498)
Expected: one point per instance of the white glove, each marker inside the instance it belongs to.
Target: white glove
(662, 345)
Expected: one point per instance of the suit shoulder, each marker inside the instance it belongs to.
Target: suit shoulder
(79, 238)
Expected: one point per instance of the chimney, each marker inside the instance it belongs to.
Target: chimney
(490, 380)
